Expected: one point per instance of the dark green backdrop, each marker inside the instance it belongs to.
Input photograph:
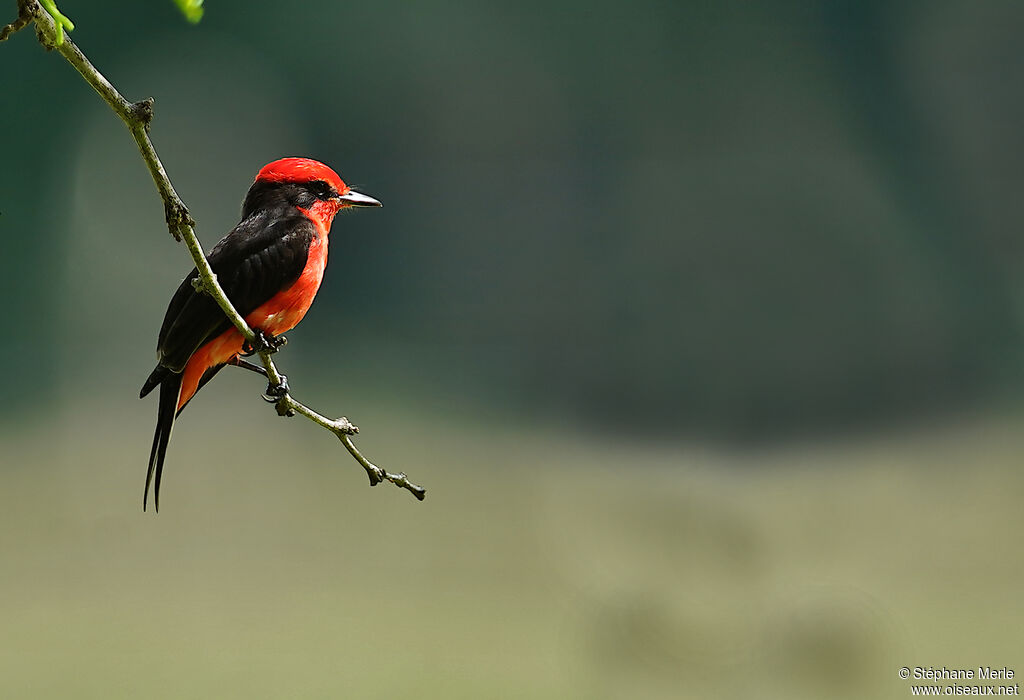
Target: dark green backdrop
(700, 218)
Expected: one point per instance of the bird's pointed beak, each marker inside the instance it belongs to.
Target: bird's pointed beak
(357, 199)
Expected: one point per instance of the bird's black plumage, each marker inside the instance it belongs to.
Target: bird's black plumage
(262, 256)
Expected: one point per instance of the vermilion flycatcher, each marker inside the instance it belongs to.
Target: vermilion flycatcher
(270, 266)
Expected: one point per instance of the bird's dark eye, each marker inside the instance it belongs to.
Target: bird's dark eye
(321, 189)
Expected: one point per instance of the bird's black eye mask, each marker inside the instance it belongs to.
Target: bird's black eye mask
(264, 196)
(321, 189)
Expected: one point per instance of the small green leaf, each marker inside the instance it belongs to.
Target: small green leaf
(192, 9)
(60, 22)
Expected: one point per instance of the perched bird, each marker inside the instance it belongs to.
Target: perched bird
(270, 266)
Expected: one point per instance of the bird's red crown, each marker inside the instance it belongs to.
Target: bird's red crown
(300, 170)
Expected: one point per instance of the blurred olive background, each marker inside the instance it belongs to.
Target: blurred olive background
(701, 322)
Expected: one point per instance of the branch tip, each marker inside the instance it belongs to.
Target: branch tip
(342, 428)
(377, 475)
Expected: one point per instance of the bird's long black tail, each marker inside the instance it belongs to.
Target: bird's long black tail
(170, 387)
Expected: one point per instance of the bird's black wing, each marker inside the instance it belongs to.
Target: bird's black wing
(260, 257)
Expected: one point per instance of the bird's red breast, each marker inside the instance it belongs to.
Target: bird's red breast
(281, 312)
(278, 315)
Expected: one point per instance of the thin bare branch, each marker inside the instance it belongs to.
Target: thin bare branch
(137, 116)
(344, 430)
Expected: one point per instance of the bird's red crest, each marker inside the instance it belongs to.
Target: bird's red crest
(300, 170)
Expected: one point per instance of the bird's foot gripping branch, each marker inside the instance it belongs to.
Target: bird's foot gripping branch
(329, 194)
(263, 343)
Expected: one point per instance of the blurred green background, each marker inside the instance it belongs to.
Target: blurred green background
(701, 322)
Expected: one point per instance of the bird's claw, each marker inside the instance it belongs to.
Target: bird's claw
(264, 343)
(277, 342)
(276, 392)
